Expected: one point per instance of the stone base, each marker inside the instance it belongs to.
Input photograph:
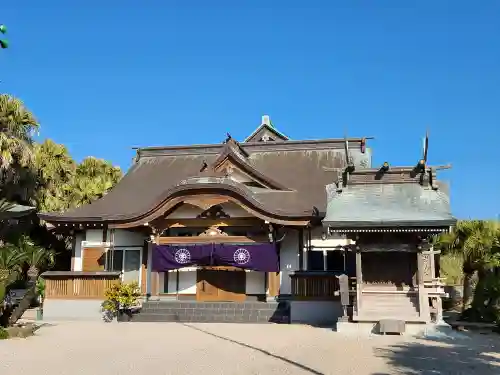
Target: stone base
(437, 330)
(213, 312)
(368, 328)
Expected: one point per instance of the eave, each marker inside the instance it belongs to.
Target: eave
(233, 191)
(390, 226)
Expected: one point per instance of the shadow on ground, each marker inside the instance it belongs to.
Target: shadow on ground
(286, 360)
(455, 353)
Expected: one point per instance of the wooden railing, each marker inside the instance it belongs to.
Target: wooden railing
(314, 286)
(78, 285)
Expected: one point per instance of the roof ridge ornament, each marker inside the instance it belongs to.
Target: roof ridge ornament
(348, 157)
(266, 132)
(266, 120)
(421, 167)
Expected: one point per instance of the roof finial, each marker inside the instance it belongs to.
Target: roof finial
(266, 120)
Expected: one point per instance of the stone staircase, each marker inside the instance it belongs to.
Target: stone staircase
(214, 312)
(378, 306)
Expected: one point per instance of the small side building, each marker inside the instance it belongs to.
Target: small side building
(389, 215)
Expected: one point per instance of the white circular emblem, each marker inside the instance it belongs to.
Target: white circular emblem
(241, 256)
(182, 256)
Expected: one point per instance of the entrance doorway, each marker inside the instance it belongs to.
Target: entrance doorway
(221, 284)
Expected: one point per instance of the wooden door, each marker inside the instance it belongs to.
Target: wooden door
(206, 288)
(221, 284)
(233, 284)
(94, 259)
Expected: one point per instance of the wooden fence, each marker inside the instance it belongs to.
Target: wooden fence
(78, 285)
(314, 286)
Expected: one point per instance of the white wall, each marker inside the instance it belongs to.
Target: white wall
(93, 235)
(315, 312)
(289, 260)
(55, 310)
(123, 237)
(187, 282)
(255, 282)
(77, 260)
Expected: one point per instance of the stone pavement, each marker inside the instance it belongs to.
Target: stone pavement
(212, 349)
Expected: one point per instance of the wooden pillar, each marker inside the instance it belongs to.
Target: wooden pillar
(148, 268)
(155, 276)
(273, 278)
(73, 251)
(273, 283)
(301, 249)
(359, 280)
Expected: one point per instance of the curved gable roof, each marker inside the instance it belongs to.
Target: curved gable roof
(294, 170)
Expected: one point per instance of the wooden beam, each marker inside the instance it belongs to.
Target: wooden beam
(205, 202)
(205, 223)
(211, 239)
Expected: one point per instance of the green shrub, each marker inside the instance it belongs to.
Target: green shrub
(451, 269)
(121, 296)
(3, 334)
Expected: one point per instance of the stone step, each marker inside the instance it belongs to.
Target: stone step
(376, 310)
(223, 312)
(388, 305)
(216, 318)
(389, 302)
(216, 304)
(169, 307)
(388, 298)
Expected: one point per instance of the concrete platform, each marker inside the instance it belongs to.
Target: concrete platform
(412, 329)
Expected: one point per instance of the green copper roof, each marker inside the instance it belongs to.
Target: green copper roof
(387, 205)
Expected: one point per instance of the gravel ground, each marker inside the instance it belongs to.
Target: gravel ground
(211, 349)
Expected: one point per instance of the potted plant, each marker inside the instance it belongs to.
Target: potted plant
(121, 301)
(40, 291)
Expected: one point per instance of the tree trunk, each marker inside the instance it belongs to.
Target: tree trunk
(25, 303)
(479, 298)
(467, 294)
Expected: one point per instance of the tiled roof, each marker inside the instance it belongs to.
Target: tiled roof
(297, 166)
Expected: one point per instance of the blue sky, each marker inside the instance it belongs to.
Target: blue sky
(105, 76)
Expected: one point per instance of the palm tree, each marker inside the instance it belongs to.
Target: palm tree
(94, 178)
(36, 258)
(17, 127)
(92, 167)
(56, 172)
(477, 243)
(11, 260)
(10, 269)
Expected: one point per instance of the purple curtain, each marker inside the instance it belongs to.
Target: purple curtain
(172, 257)
(258, 257)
